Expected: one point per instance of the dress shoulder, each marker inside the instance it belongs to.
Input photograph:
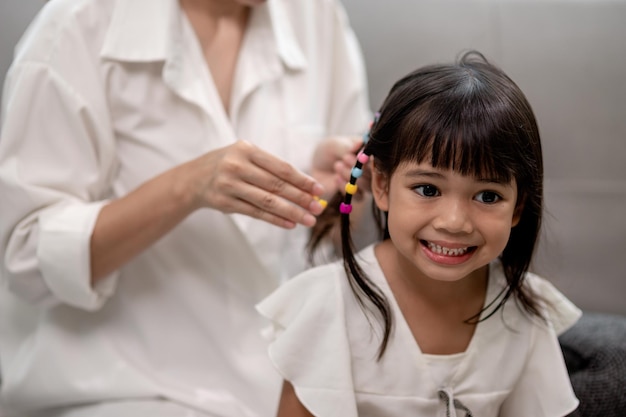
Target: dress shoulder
(559, 310)
(308, 293)
(308, 342)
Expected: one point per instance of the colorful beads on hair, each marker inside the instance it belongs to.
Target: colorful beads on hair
(345, 208)
(351, 188)
(357, 172)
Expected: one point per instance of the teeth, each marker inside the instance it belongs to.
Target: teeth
(446, 251)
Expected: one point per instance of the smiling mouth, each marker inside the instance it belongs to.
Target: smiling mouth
(442, 250)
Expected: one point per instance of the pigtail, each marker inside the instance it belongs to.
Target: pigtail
(360, 283)
(340, 207)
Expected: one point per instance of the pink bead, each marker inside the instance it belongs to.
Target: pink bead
(362, 158)
(345, 208)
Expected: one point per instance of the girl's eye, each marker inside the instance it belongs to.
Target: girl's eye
(427, 190)
(488, 197)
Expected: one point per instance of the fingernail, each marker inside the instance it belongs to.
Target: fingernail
(308, 220)
(322, 202)
(318, 189)
(316, 207)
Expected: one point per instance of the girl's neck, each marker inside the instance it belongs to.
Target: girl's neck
(436, 312)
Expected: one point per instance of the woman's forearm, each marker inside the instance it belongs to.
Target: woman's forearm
(128, 225)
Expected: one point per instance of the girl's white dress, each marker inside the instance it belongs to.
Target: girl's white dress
(324, 344)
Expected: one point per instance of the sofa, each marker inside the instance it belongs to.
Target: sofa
(595, 354)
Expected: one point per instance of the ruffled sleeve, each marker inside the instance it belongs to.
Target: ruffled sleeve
(561, 312)
(309, 343)
(544, 388)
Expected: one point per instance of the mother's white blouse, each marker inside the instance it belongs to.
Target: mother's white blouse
(102, 96)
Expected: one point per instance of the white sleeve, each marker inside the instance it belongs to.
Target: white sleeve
(309, 344)
(561, 312)
(56, 159)
(544, 388)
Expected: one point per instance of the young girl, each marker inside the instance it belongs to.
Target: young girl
(442, 317)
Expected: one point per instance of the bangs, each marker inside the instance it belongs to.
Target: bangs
(455, 136)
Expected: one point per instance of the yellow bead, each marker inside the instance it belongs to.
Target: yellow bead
(351, 188)
(322, 202)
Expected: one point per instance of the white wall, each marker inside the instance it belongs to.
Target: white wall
(14, 17)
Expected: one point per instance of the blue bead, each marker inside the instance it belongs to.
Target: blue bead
(357, 172)
(366, 137)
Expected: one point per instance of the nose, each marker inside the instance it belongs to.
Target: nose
(453, 216)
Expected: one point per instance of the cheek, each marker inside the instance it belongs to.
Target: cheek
(498, 231)
(405, 218)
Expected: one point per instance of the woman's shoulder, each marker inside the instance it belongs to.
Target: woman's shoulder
(65, 28)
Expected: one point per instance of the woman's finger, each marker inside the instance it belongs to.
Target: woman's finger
(267, 205)
(247, 180)
(285, 173)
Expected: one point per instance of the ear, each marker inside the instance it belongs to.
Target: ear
(380, 188)
(517, 214)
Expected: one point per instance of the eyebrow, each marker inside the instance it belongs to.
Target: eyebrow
(493, 181)
(417, 172)
(424, 173)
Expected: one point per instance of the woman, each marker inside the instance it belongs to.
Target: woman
(152, 166)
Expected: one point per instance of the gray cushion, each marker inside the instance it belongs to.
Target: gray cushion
(595, 353)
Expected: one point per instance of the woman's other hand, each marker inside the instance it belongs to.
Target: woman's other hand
(333, 160)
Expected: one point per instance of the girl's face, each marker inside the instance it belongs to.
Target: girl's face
(444, 225)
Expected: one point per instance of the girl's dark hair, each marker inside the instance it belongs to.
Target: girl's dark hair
(469, 117)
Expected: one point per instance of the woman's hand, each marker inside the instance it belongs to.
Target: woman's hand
(242, 178)
(239, 178)
(333, 161)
